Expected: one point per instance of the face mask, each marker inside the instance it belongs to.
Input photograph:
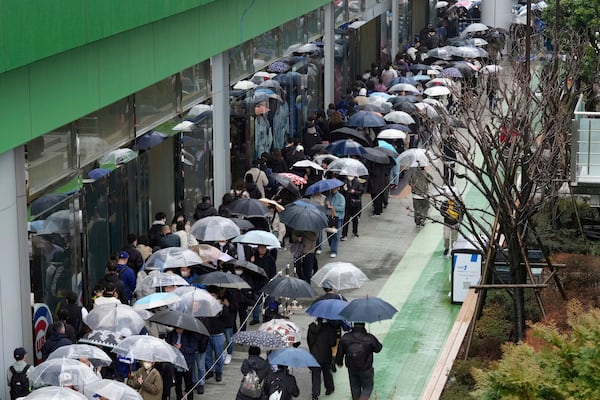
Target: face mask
(147, 365)
(239, 271)
(222, 243)
(185, 274)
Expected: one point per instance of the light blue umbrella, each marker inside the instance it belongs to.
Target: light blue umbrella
(155, 300)
(293, 357)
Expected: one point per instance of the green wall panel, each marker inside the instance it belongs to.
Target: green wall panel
(121, 16)
(35, 29)
(162, 8)
(64, 88)
(125, 61)
(15, 122)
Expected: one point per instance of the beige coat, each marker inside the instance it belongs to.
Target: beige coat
(151, 387)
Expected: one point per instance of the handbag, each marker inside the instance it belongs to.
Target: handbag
(332, 221)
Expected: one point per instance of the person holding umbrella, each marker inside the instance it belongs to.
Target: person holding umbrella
(281, 383)
(356, 350)
(147, 381)
(187, 343)
(353, 194)
(322, 336)
(253, 364)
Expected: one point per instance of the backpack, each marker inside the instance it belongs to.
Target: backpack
(19, 383)
(357, 356)
(251, 385)
(277, 390)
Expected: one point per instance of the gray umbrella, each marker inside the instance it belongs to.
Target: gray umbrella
(288, 286)
(223, 279)
(177, 319)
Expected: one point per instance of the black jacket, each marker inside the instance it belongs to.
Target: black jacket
(254, 363)
(189, 346)
(321, 337)
(135, 260)
(54, 342)
(285, 380)
(359, 334)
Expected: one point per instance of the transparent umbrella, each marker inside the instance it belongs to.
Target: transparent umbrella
(150, 348)
(54, 393)
(111, 390)
(258, 237)
(76, 351)
(211, 254)
(157, 279)
(170, 258)
(155, 300)
(348, 167)
(61, 372)
(118, 318)
(119, 156)
(212, 229)
(196, 302)
(339, 276)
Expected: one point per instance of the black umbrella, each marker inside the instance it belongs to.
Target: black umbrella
(406, 107)
(303, 216)
(366, 119)
(409, 98)
(243, 224)
(419, 67)
(376, 156)
(287, 184)
(222, 279)
(464, 68)
(387, 150)
(399, 127)
(317, 148)
(346, 132)
(48, 202)
(247, 265)
(248, 208)
(368, 309)
(288, 286)
(177, 319)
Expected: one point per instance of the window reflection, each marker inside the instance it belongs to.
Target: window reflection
(155, 103)
(195, 83)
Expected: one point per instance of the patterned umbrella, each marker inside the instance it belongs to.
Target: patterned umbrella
(288, 331)
(101, 338)
(451, 73)
(262, 339)
(278, 67)
(295, 179)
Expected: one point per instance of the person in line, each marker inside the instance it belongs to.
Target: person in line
(258, 177)
(147, 381)
(353, 196)
(322, 336)
(281, 382)
(356, 351)
(126, 274)
(55, 338)
(259, 366)
(452, 213)
(135, 260)
(17, 376)
(419, 184)
(187, 343)
(214, 358)
(336, 203)
(154, 232)
(205, 209)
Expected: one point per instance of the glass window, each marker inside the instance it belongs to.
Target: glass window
(50, 158)
(313, 24)
(155, 103)
(291, 36)
(195, 83)
(241, 62)
(355, 7)
(267, 48)
(341, 12)
(104, 130)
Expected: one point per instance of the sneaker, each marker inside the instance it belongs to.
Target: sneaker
(446, 252)
(200, 389)
(333, 255)
(318, 251)
(227, 359)
(344, 238)
(219, 377)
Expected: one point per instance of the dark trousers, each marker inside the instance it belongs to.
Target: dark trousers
(186, 377)
(361, 383)
(449, 173)
(354, 216)
(304, 267)
(316, 372)
(377, 203)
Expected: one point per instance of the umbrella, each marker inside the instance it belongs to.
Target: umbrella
(178, 319)
(409, 98)
(223, 279)
(435, 91)
(346, 147)
(368, 309)
(443, 53)
(379, 107)
(403, 79)
(150, 348)
(439, 81)
(119, 156)
(403, 87)
(258, 338)
(157, 279)
(413, 158)
(253, 268)
(451, 72)
(365, 119)
(323, 185)
(419, 67)
(303, 217)
(184, 126)
(392, 134)
(248, 208)
(398, 127)
(477, 42)
(244, 85)
(101, 338)
(171, 257)
(278, 66)
(466, 52)
(388, 149)
(243, 224)
(288, 331)
(288, 286)
(348, 167)
(339, 276)
(424, 78)
(383, 95)
(57, 222)
(111, 390)
(196, 302)
(214, 228)
(319, 158)
(327, 308)
(199, 109)
(269, 202)
(376, 156)
(48, 202)
(55, 393)
(476, 27)
(350, 133)
(76, 351)
(61, 372)
(491, 69)
(292, 357)
(118, 318)
(399, 117)
(150, 139)
(258, 237)
(211, 254)
(295, 179)
(406, 107)
(441, 4)
(307, 164)
(286, 184)
(155, 300)
(271, 84)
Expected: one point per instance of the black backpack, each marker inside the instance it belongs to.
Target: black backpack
(19, 383)
(357, 356)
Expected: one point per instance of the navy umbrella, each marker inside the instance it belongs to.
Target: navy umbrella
(278, 67)
(150, 140)
(408, 107)
(257, 338)
(403, 79)
(248, 208)
(346, 132)
(48, 202)
(288, 286)
(293, 357)
(323, 186)
(327, 308)
(366, 119)
(346, 147)
(368, 309)
(399, 127)
(302, 216)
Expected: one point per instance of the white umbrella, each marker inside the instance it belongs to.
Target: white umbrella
(307, 164)
(490, 69)
(197, 302)
(403, 87)
(427, 110)
(441, 4)
(184, 126)
(392, 134)
(61, 372)
(199, 109)
(172, 257)
(150, 348)
(476, 27)
(399, 117)
(215, 228)
(435, 91)
(54, 393)
(439, 81)
(348, 167)
(434, 102)
(111, 390)
(118, 318)
(339, 276)
(77, 351)
(244, 85)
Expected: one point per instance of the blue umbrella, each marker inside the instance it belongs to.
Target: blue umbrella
(293, 357)
(327, 308)
(323, 186)
(368, 309)
(451, 73)
(155, 300)
(98, 173)
(399, 127)
(402, 79)
(150, 140)
(303, 217)
(366, 119)
(346, 147)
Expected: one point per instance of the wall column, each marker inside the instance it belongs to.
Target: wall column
(221, 135)
(395, 25)
(496, 13)
(329, 54)
(15, 300)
